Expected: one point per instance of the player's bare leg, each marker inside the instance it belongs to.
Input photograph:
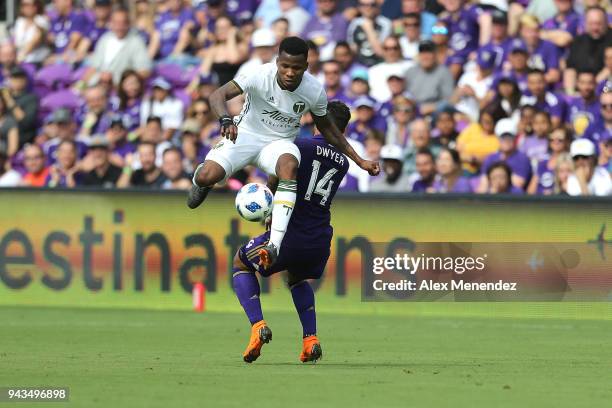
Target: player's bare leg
(304, 301)
(247, 290)
(205, 176)
(284, 201)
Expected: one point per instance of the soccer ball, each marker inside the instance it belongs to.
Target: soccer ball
(254, 202)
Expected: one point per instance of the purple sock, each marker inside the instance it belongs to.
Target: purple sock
(247, 290)
(303, 299)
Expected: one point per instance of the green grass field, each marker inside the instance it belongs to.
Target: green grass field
(144, 358)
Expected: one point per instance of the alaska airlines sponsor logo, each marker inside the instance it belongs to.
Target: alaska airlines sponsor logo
(276, 118)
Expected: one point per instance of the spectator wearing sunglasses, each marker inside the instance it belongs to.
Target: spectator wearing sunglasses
(367, 32)
(587, 178)
(601, 129)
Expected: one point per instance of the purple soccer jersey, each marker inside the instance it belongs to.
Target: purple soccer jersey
(550, 103)
(101, 125)
(130, 115)
(321, 32)
(62, 27)
(50, 149)
(568, 23)
(169, 26)
(581, 114)
(535, 148)
(95, 32)
(518, 162)
(545, 56)
(597, 132)
(464, 31)
(124, 148)
(546, 178)
(462, 185)
(242, 10)
(500, 50)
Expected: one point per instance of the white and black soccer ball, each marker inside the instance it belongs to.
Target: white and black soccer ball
(254, 202)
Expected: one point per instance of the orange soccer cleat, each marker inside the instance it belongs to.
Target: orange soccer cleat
(268, 255)
(311, 350)
(260, 334)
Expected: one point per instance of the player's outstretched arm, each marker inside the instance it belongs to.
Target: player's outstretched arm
(334, 137)
(217, 103)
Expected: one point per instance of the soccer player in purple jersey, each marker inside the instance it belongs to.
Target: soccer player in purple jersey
(306, 246)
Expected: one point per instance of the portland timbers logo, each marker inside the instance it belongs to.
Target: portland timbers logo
(299, 107)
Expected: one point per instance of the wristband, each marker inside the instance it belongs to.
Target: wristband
(225, 121)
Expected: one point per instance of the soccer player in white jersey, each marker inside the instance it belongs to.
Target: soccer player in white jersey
(277, 95)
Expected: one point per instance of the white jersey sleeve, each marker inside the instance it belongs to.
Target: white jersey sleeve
(319, 107)
(247, 79)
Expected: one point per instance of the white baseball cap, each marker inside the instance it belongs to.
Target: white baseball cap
(582, 147)
(506, 126)
(391, 152)
(263, 37)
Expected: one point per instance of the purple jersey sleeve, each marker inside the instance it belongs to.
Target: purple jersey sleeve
(322, 168)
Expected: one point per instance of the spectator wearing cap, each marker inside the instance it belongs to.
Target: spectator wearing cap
(392, 64)
(22, 104)
(174, 30)
(65, 172)
(518, 162)
(425, 174)
(9, 131)
(563, 27)
(172, 168)
(439, 37)
(8, 176)
(98, 26)
(478, 140)
(35, 165)
(535, 145)
(193, 150)
(327, 27)
(445, 131)
(360, 87)
(97, 169)
(95, 115)
(587, 50)
(346, 58)
(404, 111)
(397, 87)
(409, 42)
(67, 29)
(499, 180)
(420, 138)
(162, 104)
(395, 180)
(470, 95)
(148, 175)
(543, 180)
(429, 83)
(29, 32)
(65, 129)
(449, 177)
(365, 118)
(583, 109)
(119, 145)
(332, 72)
(587, 178)
(516, 67)
(601, 128)
(500, 40)
(263, 45)
(226, 54)
(464, 22)
(118, 50)
(543, 55)
(366, 33)
(128, 102)
(537, 95)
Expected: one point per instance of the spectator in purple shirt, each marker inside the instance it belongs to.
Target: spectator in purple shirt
(345, 56)
(364, 122)
(65, 128)
(65, 172)
(604, 77)
(332, 72)
(327, 27)
(543, 54)
(129, 98)
(500, 41)
(601, 129)
(68, 28)
(174, 30)
(97, 26)
(538, 96)
(535, 146)
(518, 162)
(425, 171)
(450, 179)
(543, 181)
(517, 63)
(120, 147)
(95, 115)
(563, 27)
(582, 110)
(499, 180)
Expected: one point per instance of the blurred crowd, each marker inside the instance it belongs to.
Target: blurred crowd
(453, 96)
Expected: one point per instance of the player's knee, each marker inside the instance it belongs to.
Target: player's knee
(209, 175)
(237, 263)
(287, 167)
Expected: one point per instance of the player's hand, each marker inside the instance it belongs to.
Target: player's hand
(228, 128)
(372, 167)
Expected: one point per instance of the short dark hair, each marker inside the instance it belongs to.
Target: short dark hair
(542, 112)
(586, 71)
(416, 16)
(454, 155)
(172, 149)
(312, 46)
(155, 119)
(342, 44)
(426, 152)
(500, 165)
(293, 46)
(538, 71)
(340, 114)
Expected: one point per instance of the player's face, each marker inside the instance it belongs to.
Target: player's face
(291, 69)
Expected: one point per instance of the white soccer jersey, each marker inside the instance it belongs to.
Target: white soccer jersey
(271, 112)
